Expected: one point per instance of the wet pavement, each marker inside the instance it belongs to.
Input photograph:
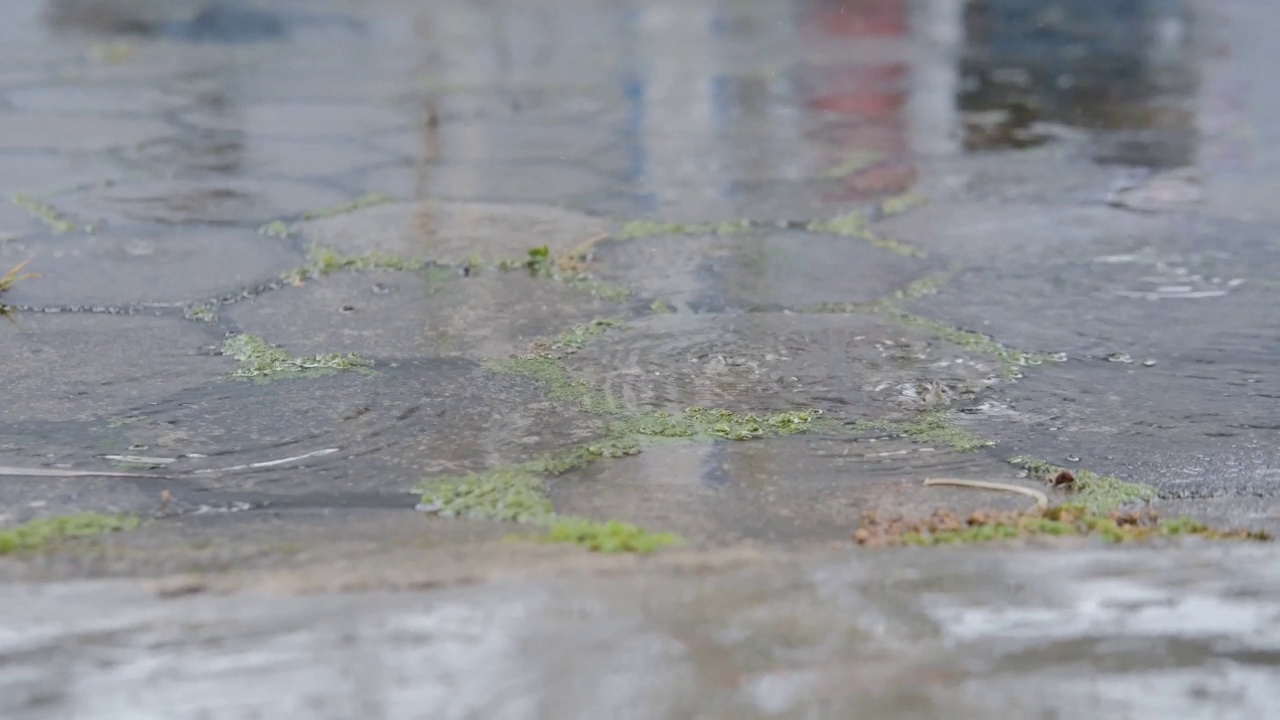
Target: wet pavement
(903, 240)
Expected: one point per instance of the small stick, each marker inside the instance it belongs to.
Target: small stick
(1042, 500)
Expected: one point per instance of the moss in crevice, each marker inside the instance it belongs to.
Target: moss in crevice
(857, 225)
(351, 206)
(577, 337)
(322, 261)
(1098, 493)
(571, 268)
(261, 360)
(610, 536)
(509, 494)
(41, 534)
(200, 312)
(276, 229)
(944, 527)
(559, 384)
(931, 427)
(1011, 359)
(637, 229)
(899, 204)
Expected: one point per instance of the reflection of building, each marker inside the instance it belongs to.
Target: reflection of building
(1118, 67)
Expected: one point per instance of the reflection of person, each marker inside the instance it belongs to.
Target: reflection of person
(872, 96)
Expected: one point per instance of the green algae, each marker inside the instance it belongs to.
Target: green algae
(506, 494)
(930, 427)
(53, 218)
(261, 360)
(42, 534)
(351, 206)
(661, 307)
(611, 536)
(1098, 493)
(323, 261)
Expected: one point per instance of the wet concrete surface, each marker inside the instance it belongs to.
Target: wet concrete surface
(962, 231)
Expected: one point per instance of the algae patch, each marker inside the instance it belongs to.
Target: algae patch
(40, 534)
(262, 360)
(944, 527)
(1098, 493)
(610, 536)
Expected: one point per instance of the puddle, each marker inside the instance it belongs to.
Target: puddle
(759, 362)
(1123, 72)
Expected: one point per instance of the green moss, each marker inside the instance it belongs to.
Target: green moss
(712, 423)
(260, 359)
(856, 161)
(507, 494)
(899, 204)
(579, 335)
(579, 457)
(610, 536)
(1011, 359)
(858, 226)
(568, 269)
(660, 307)
(931, 427)
(636, 229)
(40, 534)
(276, 229)
(1098, 493)
(343, 208)
(603, 290)
(200, 313)
(47, 214)
(559, 384)
(322, 261)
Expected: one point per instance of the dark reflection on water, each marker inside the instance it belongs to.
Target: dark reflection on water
(1122, 69)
